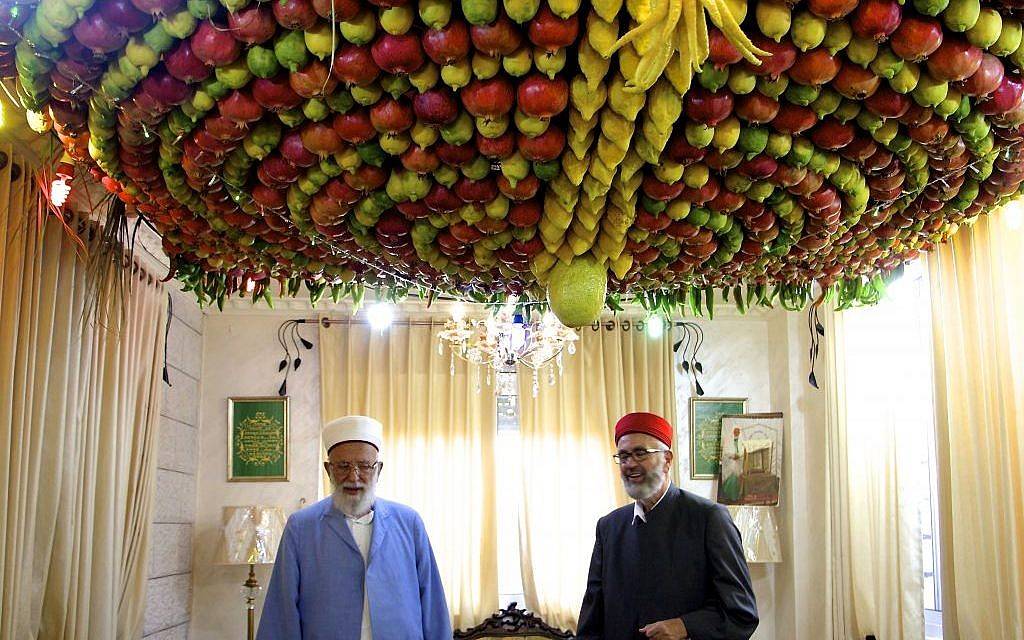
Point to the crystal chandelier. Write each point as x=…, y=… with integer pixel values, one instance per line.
x=501, y=342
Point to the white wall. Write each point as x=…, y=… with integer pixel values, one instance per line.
x=240, y=358
x=169, y=587
x=761, y=356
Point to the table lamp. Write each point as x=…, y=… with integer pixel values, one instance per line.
x=251, y=536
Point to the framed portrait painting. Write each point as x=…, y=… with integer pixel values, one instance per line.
x=751, y=470
x=706, y=433
x=257, y=439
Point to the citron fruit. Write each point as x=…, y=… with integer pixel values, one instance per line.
x=576, y=291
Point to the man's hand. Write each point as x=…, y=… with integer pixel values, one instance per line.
x=673, y=629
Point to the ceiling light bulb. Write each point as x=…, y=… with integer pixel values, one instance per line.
x=59, y=191
x=380, y=316
x=458, y=312
x=655, y=327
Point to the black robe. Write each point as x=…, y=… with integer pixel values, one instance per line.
x=685, y=562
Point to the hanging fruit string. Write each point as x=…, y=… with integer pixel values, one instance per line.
x=678, y=28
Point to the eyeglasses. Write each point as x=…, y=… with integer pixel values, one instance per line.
x=342, y=469
x=636, y=454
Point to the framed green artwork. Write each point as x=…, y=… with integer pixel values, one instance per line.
x=706, y=433
x=257, y=439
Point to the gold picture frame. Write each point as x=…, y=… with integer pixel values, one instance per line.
x=258, y=439
x=706, y=433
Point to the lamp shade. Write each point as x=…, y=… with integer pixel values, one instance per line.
x=251, y=534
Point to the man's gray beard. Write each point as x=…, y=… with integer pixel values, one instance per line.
x=648, y=488
x=353, y=506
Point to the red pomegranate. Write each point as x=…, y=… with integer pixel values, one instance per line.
x=815, y=67
x=876, y=19
x=955, y=59
x=916, y=38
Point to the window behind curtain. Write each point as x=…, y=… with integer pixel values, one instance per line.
x=904, y=316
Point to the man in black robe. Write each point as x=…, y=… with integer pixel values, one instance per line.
x=669, y=566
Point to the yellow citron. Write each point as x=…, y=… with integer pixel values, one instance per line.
x=670, y=27
x=576, y=290
x=727, y=134
x=696, y=175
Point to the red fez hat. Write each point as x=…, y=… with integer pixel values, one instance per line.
x=649, y=423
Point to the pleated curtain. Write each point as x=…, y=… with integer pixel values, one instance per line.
x=438, y=453
x=877, y=464
x=978, y=339
x=79, y=407
x=567, y=436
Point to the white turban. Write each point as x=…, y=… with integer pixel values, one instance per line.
x=353, y=428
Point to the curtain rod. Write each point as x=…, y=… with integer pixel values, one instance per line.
x=609, y=325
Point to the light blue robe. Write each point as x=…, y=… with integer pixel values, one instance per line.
x=316, y=591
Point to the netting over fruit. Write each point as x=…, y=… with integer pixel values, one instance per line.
x=478, y=147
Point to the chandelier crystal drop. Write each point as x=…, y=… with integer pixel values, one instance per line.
x=503, y=341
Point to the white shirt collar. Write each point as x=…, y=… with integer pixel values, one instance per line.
x=638, y=508
x=364, y=520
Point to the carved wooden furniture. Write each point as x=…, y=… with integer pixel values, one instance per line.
x=513, y=622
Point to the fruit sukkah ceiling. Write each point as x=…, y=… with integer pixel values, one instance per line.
x=666, y=149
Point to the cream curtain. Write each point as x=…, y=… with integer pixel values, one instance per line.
x=978, y=323
x=878, y=467
x=569, y=478
x=78, y=411
x=438, y=444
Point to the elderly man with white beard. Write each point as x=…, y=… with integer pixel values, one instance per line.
x=670, y=565
x=353, y=566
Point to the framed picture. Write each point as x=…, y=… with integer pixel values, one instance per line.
x=706, y=433
x=751, y=472
x=257, y=439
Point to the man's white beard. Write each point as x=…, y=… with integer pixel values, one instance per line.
x=648, y=488
x=354, y=506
